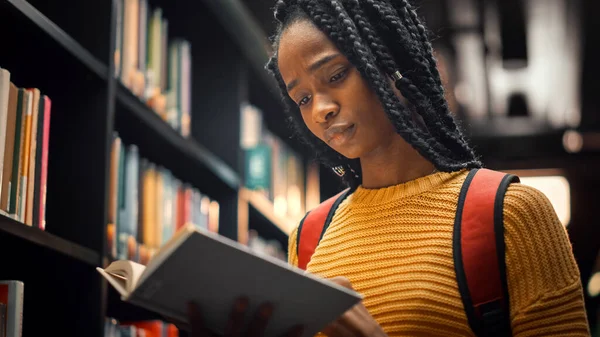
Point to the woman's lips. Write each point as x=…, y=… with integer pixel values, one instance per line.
x=339, y=134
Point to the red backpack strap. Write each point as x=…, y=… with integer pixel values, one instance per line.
x=479, y=252
x=314, y=225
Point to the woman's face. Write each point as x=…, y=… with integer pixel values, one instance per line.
x=336, y=103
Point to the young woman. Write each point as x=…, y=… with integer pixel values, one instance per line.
x=363, y=90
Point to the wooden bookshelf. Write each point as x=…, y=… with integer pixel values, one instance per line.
x=264, y=206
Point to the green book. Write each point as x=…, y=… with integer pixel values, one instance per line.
x=22, y=103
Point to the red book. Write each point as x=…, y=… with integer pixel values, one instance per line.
x=44, y=165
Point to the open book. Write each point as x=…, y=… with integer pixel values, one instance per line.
x=200, y=266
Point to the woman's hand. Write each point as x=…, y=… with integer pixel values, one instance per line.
x=234, y=327
x=356, y=322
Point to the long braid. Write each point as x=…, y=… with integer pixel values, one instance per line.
x=410, y=13
x=417, y=136
x=446, y=128
x=405, y=7
x=384, y=57
x=447, y=118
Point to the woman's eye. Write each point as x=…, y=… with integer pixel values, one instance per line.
x=338, y=76
x=303, y=101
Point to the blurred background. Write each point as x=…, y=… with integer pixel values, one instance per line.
x=131, y=118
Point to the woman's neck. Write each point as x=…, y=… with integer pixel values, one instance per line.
x=394, y=164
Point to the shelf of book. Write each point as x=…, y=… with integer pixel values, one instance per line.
x=11, y=229
x=265, y=207
x=66, y=41
x=138, y=124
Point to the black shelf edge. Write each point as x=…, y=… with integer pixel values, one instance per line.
x=243, y=28
x=189, y=147
x=61, y=37
x=12, y=227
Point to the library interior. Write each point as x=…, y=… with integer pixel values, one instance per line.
x=126, y=122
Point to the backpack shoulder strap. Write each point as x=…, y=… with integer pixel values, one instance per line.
x=479, y=252
x=314, y=225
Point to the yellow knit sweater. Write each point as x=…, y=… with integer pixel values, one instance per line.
x=395, y=245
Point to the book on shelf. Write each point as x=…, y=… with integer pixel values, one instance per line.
x=11, y=308
x=155, y=69
x=212, y=271
x=272, y=167
x=152, y=328
x=24, y=142
x=147, y=204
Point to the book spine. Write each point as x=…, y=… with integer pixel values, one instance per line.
x=9, y=146
x=46, y=145
x=4, y=97
x=24, y=165
x=33, y=145
x=12, y=294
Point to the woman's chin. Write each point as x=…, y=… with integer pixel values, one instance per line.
x=349, y=153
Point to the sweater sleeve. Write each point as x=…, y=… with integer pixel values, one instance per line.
x=545, y=291
x=292, y=256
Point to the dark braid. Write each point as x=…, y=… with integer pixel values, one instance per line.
x=405, y=7
x=402, y=118
x=379, y=38
x=434, y=93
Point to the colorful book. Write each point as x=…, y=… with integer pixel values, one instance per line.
x=9, y=146
x=41, y=173
x=4, y=98
x=12, y=294
x=37, y=109
x=20, y=127
x=24, y=156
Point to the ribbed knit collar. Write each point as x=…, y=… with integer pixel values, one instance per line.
x=364, y=195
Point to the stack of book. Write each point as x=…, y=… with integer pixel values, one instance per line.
x=156, y=70
x=24, y=139
x=147, y=204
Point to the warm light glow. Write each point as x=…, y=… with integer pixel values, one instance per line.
x=593, y=287
x=557, y=189
x=280, y=206
x=294, y=201
x=213, y=217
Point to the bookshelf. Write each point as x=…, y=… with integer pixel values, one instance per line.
x=19, y=236
x=67, y=51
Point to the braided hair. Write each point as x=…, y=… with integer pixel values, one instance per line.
x=381, y=37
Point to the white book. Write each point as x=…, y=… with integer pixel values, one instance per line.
x=4, y=90
x=212, y=271
x=13, y=291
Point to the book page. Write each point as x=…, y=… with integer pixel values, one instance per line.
x=127, y=271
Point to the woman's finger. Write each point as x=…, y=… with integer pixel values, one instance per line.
x=259, y=322
x=236, y=318
x=343, y=281
x=338, y=329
